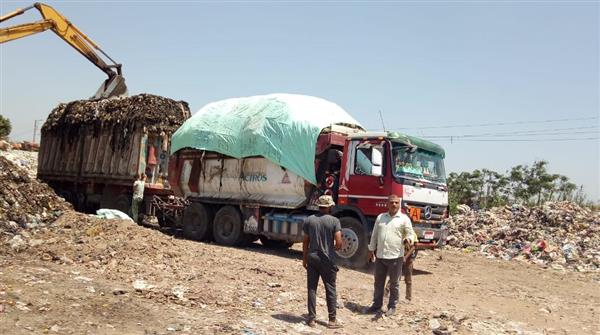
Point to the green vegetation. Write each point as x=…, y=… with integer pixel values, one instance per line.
x=5, y=127
x=528, y=185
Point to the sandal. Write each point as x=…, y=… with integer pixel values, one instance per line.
x=334, y=325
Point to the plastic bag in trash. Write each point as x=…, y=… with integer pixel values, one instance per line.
x=110, y=214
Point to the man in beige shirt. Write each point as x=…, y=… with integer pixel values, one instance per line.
x=138, y=196
x=392, y=230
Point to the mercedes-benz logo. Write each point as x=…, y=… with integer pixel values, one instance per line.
x=427, y=213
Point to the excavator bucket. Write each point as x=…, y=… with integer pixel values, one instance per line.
x=111, y=88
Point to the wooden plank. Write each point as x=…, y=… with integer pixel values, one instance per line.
x=93, y=154
x=105, y=167
x=99, y=148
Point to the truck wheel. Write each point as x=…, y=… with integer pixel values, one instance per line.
x=197, y=221
x=228, y=228
x=354, y=248
x=274, y=244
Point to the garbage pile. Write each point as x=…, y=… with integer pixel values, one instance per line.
x=123, y=116
x=27, y=160
x=25, y=203
x=557, y=234
x=25, y=146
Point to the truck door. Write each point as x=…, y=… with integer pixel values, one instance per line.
x=365, y=182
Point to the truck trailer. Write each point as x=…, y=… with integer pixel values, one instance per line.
x=252, y=168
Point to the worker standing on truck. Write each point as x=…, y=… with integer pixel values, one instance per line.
x=391, y=231
x=138, y=195
x=320, y=232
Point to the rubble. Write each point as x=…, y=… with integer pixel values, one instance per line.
x=25, y=200
x=24, y=146
x=122, y=115
x=556, y=234
x=26, y=160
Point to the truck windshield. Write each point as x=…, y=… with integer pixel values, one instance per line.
x=419, y=164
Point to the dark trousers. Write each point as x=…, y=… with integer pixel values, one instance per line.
x=407, y=269
x=318, y=268
x=391, y=268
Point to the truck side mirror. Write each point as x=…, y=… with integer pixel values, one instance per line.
x=377, y=161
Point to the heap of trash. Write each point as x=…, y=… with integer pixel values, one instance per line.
x=25, y=202
x=123, y=116
x=23, y=146
x=26, y=160
x=557, y=234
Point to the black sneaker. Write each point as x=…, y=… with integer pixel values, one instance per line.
x=373, y=310
x=391, y=311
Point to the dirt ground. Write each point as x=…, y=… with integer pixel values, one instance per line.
x=84, y=275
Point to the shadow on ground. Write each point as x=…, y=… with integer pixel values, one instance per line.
x=288, y=317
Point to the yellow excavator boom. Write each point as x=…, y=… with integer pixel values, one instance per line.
x=53, y=20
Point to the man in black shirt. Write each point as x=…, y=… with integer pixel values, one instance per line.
x=320, y=231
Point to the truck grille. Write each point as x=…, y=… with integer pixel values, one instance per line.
x=424, y=213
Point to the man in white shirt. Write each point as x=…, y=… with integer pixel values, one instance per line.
x=138, y=196
x=392, y=230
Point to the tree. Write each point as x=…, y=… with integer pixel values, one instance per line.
x=540, y=180
x=565, y=189
x=529, y=185
x=495, y=185
x=580, y=197
x=5, y=127
x=461, y=189
x=517, y=184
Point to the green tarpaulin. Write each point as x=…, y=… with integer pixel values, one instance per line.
x=280, y=127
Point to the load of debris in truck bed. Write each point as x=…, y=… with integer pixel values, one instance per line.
x=123, y=115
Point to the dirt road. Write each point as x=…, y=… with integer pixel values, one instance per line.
x=84, y=275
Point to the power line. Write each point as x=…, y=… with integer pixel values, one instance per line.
x=501, y=123
x=523, y=140
x=512, y=135
x=555, y=131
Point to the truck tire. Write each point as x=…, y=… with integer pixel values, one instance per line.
x=274, y=244
x=197, y=221
x=228, y=227
x=354, y=248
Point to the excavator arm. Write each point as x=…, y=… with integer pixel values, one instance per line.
x=53, y=20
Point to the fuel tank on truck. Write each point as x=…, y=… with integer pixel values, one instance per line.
x=254, y=180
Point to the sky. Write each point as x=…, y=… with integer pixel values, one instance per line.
x=522, y=76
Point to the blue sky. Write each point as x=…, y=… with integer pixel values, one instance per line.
x=522, y=65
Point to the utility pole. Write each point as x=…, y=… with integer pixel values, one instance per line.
x=35, y=129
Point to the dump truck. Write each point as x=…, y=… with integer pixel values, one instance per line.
x=252, y=168
x=92, y=151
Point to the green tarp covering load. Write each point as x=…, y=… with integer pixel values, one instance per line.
x=280, y=127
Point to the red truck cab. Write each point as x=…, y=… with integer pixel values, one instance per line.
x=376, y=165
